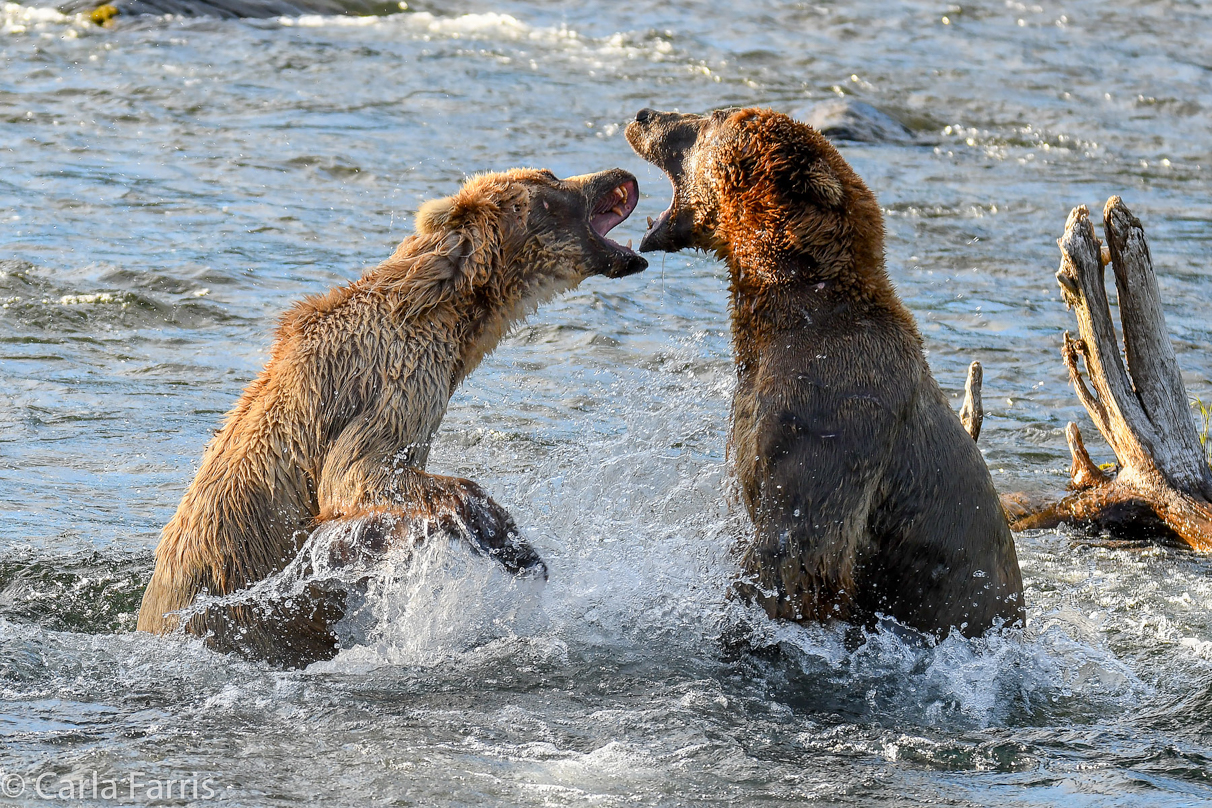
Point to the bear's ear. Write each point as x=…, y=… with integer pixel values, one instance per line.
x=818, y=181
x=435, y=215
x=800, y=157
x=807, y=175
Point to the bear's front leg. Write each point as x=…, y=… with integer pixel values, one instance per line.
x=487, y=527
x=406, y=506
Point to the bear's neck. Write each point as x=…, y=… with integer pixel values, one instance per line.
x=463, y=325
x=481, y=328
x=778, y=292
x=758, y=270
x=487, y=317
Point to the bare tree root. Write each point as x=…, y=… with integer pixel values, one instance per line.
x=1162, y=485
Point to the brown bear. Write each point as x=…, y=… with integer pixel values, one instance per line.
x=334, y=432
x=866, y=494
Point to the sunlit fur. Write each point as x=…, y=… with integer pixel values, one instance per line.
x=866, y=493
x=340, y=420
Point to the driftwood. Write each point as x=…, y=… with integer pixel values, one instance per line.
x=972, y=413
x=1162, y=486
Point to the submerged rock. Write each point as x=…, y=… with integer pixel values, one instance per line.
x=847, y=119
x=105, y=12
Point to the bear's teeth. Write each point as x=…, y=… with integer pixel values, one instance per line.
x=629, y=244
x=649, y=222
x=617, y=210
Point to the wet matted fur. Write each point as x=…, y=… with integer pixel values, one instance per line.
x=337, y=427
x=866, y=494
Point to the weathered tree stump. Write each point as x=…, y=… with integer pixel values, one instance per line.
x=1162, y=486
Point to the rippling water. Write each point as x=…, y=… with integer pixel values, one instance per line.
x=170, y=186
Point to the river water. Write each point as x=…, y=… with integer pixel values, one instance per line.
x=169, y=186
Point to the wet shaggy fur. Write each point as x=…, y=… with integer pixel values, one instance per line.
x=337, y=427
x=866, y=494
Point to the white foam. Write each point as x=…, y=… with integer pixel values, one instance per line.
x=93, y=299
x=20, y=19
x=324, y=21
x=552, y=771
x=487, y=24
x=439, y=602
x=494, y=26
x=423, y=22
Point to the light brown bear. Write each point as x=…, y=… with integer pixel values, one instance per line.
x=335, y=431
x=866, y=494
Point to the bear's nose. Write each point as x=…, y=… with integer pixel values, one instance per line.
x=644, y=115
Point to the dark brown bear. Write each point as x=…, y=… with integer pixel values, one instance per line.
x=866, y=494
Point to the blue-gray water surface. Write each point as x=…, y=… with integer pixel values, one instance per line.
x=169, y=186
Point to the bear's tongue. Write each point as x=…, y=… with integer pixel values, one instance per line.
x=614, y=208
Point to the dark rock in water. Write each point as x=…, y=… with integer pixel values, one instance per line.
x=104, y=11
x=846, y=119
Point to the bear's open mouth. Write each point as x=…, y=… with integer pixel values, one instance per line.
x=661, y=220
x=613, y=209
x=669, y=231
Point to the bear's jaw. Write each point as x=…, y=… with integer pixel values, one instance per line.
x=610, y=197
x=614, y=208
x=670, y=141
x=673, y=230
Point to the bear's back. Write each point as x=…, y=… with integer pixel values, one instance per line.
x=943, y=555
